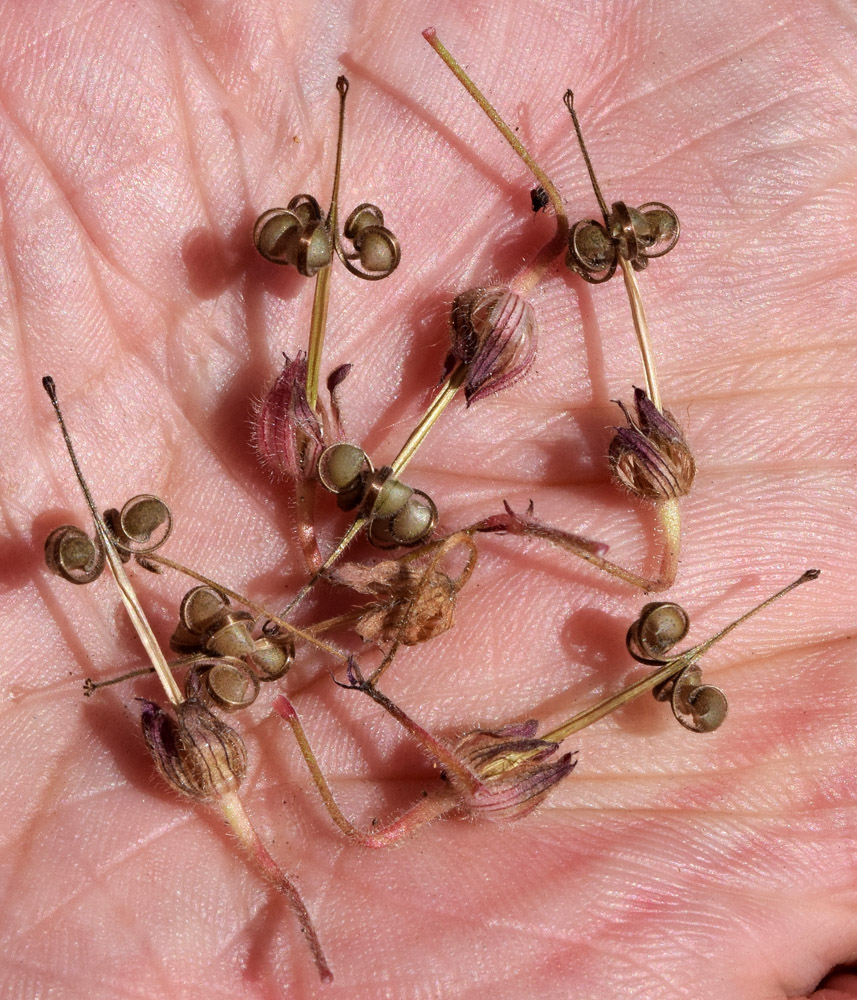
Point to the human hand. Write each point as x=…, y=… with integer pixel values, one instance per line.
x=139, y=145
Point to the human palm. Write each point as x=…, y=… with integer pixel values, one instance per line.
x=139, y=144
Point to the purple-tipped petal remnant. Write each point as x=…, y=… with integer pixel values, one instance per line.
x=494, y=333
x=651, y=457
x=511, y=785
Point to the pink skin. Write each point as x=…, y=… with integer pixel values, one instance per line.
x=138, y=144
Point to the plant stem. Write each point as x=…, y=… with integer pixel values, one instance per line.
x=641, y=326
x=317, y=327
x=440, y=751
x=454, y=381
x=321, y=297
x=531, y=276
x=237, y=818
x=422, y=812
x=668, y=514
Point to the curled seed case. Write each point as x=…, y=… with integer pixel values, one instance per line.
x=699, y=707
x=223, y=682
x=376, y=247
x=143, y=524
x=363, y=217
x=273, y=656
x=200, y=608
x=306, y=208
x=343, y=469
x=411, y=525
x=391, y=497
x=229, y=635
x=635, y=234
x=73, y=555
x=295, y=235
x=398, y=514
x=660, y=626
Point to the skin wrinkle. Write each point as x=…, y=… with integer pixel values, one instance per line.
x=32, y=383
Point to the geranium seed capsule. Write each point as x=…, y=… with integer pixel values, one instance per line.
x=73, y=555
x=228, y=683
x=660, y=626
x=229, y=634
x=273, y=656
x=200, y=607
x=342, y=468
x=392, y=497
x=144, y=523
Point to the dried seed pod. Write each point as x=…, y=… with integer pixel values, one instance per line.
x=200, y=608
x=514, y=770
x=344, y=469
x=660, y=626
x=229, y=635
x=195, y=753
x=651, y=456
x=142, y=526
x=634, y=234
x=699, y=707
x=273, y=656
x=295, y=235
x=73, y=555
x=637, y=234
x=376, y=247
x=412, y=524
x=223, y=682
x=493, y=332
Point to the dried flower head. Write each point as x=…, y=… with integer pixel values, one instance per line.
x=410, y=610
x=513, y=769
x=196, y=753
x=288, y=433
x=494, y=334
x=651, y=457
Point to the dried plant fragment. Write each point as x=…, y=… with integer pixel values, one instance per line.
x=651, y=457
x=525, y=524
x=394, y=617
x=417, y=601
x=196, y=754
x=494, y=334
x=514, y=769
x=287, y=432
